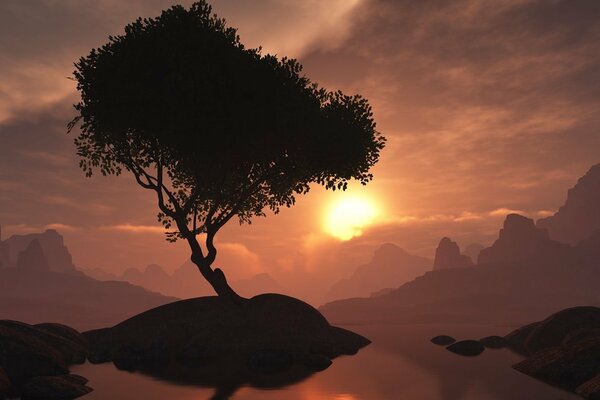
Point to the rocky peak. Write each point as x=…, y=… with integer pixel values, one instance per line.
x=33, y=258
x=520, y=241
x=447, y=255
x=58, y=257
x=579, y=217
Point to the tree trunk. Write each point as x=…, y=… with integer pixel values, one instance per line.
x=217, y=280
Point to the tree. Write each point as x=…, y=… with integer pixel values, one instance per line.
x=216, y=130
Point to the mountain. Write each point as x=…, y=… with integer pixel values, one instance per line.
x=52, y=244
x=523, y=276
x=186, y=281
x=34, y=296
x=33, y=258
x=447, y=255
x=520, y=242
x=579, y=217
x=390, y=266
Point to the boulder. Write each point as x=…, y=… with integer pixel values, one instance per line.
x=590, y=389
x=72, y=350
x=53, y=388
x=63, y=331
x=516, y=339
x=468, y=348
x=493, y=342
x=215, y=328
x=443, y=340
x=4, y=382
x=24, y=355
x=568, y=366
x=561, y=327
x=447, y=255
x=317, y=362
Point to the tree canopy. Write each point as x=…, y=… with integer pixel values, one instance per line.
x=216, y=129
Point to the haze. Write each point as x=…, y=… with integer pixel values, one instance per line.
x=488, y=107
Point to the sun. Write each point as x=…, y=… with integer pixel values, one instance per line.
x=347, y=217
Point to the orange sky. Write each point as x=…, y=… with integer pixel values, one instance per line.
x=487, y=107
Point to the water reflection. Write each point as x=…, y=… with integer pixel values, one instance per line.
x=227, y=378
x=399, y=364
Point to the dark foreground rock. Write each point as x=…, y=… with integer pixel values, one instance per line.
x=568, y=366
x=4, y=382
x=563, y=350
x=590, y=389
x=269, y=341
x=566, y=326
x=34, y=361
x=468, y=348
x=211, y=328
x=54, y=388
x=493, y=342
x=443, y=340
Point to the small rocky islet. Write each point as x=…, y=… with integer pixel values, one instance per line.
x=206, y=338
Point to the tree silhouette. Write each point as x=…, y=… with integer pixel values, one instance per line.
x=216, y=130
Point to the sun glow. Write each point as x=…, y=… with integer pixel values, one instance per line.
x=347, y=217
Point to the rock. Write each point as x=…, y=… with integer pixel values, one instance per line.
x=516, y=339
x=561, y=327
x=317, y=362
x=4, y=382
x=53, y=387
x=443, y=340
x=580, y=215
x=469, y=348
x=271, y=361
x=447, y=255
x=581, y=334
x=590, y=389
x=33, y=258
x=71, y=351
x=568, y=366
x=221, y=329
x=24, y=355
x=493, y=342
x=101, y=346
x=63, y=331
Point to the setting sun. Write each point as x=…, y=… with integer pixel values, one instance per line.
x=347, y=217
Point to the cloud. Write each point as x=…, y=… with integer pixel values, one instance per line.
x=131, y=228
x=503, y=212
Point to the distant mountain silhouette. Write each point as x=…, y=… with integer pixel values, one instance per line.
x=53, y=247
x=521, y=243
x=390, y=266
x=36, y=296
x=186, y=282
x=523, y=276
x=579, y=217
x=447, y=255
x=33, y=258
x=4, y=253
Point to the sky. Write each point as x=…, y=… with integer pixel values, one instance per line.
x=488, y=107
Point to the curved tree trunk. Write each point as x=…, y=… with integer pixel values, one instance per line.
x=217, y=280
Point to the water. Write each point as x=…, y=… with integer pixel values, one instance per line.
x=401, y=363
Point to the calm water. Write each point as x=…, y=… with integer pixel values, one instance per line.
x=401, y=363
